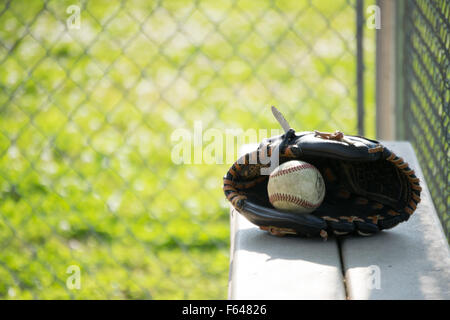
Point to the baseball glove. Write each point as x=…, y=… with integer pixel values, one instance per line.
x=368, y=187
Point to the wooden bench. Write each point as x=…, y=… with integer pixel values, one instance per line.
x=410, y=261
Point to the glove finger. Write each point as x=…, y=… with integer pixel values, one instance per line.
x=390, y=223
x=341, y=228
x=366, y=228
x=303, y=224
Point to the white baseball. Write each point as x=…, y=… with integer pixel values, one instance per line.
x=296, y=186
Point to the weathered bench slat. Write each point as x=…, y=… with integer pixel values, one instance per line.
x=267, y=267
x=410, y=261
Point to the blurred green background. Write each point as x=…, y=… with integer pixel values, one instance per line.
x=86, y=118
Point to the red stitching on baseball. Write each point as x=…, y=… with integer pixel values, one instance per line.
x=290, y=198
x=293, y=169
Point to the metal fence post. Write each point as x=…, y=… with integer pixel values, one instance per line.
x=360, y=65
x=399, y=76
x=385, y=72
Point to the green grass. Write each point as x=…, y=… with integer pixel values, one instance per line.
x=86, y=116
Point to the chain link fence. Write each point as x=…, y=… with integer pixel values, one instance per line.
x=426, y=95
x=92, y=205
